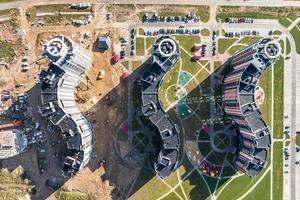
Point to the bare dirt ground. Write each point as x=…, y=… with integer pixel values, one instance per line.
x=11, y=70
x=103, y=101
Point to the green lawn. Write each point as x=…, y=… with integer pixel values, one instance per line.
x=277, y=170
x=4, y=1
x=249, y=40
x=278, y=98
x=140, y=46
x=62, y=194
x=298, y=139
x=277, y=32
x=288, y=46
x=265, y=82
x=217, y=64
x=234, y=189
x=212, y=182
x=171, y=13
x=55, y=19
x=189, y=65
x=148, y=183
x=257, y=12
x=203, y=13
x=9, y=12
x=262, y=190
x=224, y=44
x=205, y=32
x=296, y=35
x=136, y=64
x=235, y=49
x=136, y=95
x=284, y=22
x=55, y=7
x=280, y=13
x=170, y=79
x=171, y=196
x=195, y=188
x=188, y=41
x=203, y=62
x=282, y=46
x=141, y=31
x=174, y=10
x=6, y=51
x=14, y=184
x=149, y=43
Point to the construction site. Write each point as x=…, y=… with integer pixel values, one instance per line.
x=33, y=142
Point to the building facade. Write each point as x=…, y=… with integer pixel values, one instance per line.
x=239, y=103
x=68, y=63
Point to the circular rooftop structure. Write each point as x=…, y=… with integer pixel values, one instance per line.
x=272, y=49
x=56, y=47
x=167, y=47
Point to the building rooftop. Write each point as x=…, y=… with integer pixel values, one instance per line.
x=58, y=100
x=248, y=65
x=165, y=55
x=103, y=42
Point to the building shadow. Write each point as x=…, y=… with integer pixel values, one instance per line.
x=198, y=101
x=47, y=181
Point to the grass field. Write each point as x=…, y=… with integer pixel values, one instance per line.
x=277, y=32
x=197, y=186
x=140, y=46
x=234, y=49
x=278, y=98
x=135, y=64
x=4, y=1
x=205, y=32
x=62, y=194
x=174, y=10
x=150, y=41
x=234, y=190
x=13, y=184
x=56, y=19
x=150, y=188
x=54, y=8
x=258, y=12
x=265, y=82
x=298, y=140
x=224, y=44
x=284, y=21
x=296, y=35
x=262, y=190
x=277, y=170
x=189, y=65
x=6, y=51
x=188, y=41
x=203, y=13
x=217, y=64
x=288, y=46
x=9, y=12
x=248, y=40
x=170, y=79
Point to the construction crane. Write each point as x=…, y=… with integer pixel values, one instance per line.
x=13, y=124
